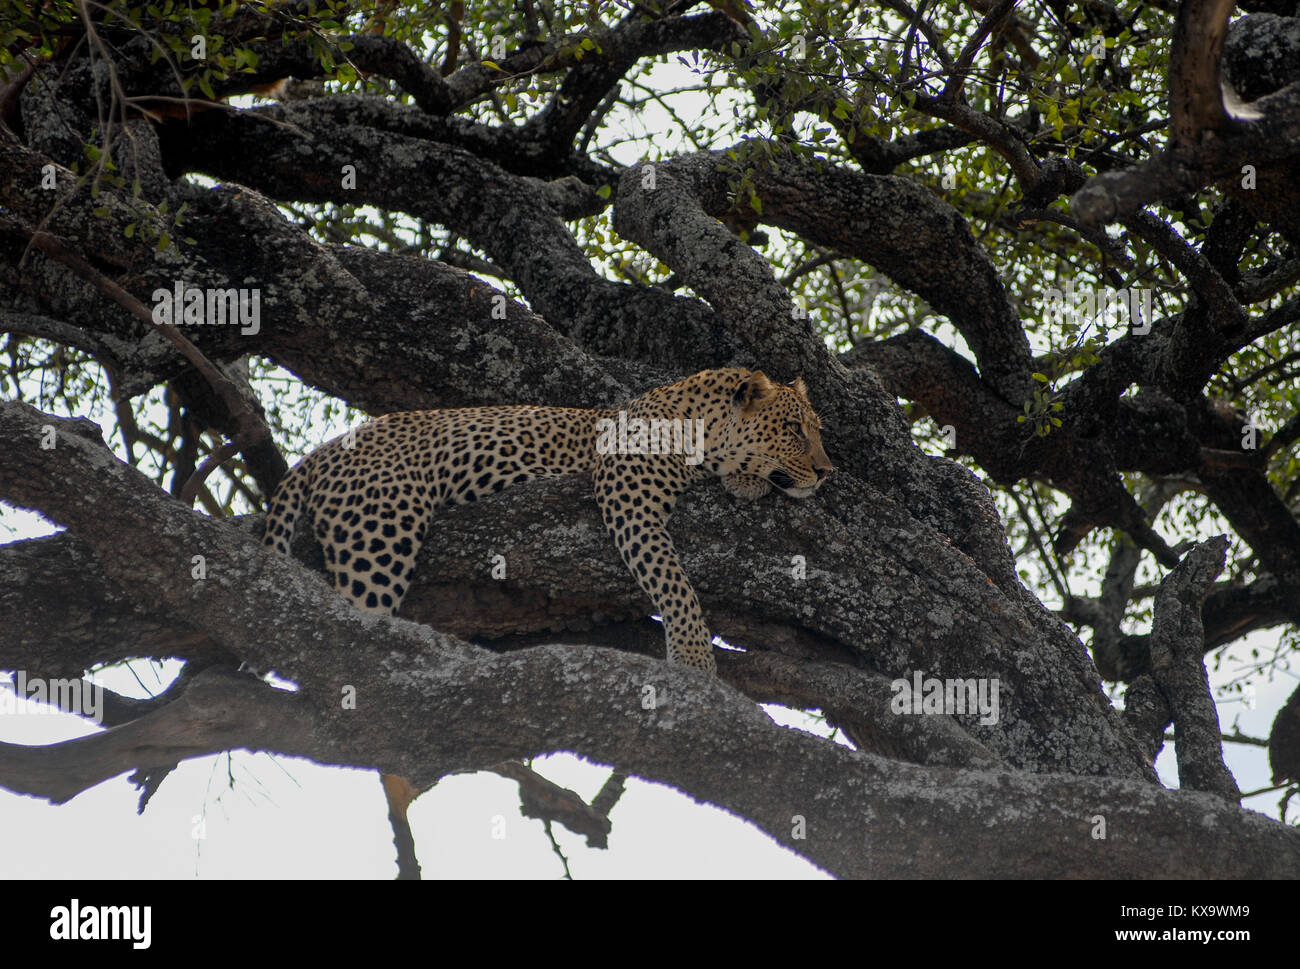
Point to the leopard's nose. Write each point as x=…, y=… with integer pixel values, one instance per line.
x=823, y=472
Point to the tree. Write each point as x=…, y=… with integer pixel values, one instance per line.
x=1045, y=229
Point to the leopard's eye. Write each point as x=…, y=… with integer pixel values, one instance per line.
x=796, y=427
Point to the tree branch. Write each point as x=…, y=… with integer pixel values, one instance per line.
x=1177, y=642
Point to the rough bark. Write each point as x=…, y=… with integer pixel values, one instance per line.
x=1179, y=671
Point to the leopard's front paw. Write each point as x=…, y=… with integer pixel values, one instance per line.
x=751, y=487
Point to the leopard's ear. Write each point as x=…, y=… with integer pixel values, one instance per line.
x=800, y=387
x=754, y=392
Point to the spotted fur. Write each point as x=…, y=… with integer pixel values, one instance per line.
x=371, y=493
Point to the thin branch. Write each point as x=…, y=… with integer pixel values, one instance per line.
x=952, y=90
x=251, y=431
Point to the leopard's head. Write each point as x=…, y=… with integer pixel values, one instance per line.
x=773, y=439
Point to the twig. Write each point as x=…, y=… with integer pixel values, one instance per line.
x=250, y=430
x=210, y=464
x=952, y=90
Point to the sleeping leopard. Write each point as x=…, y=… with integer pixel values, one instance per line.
x=371, y=493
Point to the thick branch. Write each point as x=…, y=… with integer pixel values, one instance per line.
x=1177, y=642
x=219, y=710
x=1195, y=98
x=900, y=816
x=889, y=222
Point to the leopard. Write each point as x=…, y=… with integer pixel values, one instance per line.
x=370, y=494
